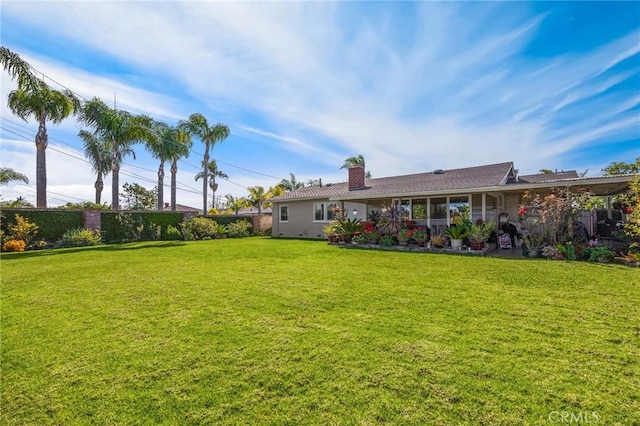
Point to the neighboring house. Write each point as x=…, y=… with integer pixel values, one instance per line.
x=251, y=211
x=181, y=208
x=429, y=199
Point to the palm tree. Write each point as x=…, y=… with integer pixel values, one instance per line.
x=98, y=151
x=34, y=98
x=161, y=147
x=353, y=161
x=122, y=128
x=179, y=149
x=291, y=184
x=7, y=175
x=16, y=67
x=236, y=204
x=257, y=196
x=213, y=173
x=199, y=127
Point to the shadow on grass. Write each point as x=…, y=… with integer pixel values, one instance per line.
x=106, y=247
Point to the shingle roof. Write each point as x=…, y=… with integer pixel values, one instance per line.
x=545, y=177
x=455, y=179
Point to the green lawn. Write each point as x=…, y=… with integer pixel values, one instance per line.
x=261, y=331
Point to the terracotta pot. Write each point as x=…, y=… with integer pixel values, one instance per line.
x=476, y=245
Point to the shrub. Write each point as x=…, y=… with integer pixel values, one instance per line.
x=238, y=229
x=23, y=229
x=200, y=228
x=80, y=238
x=14, y=245
x=220, y=230
x=600, y=253
x=172, y=234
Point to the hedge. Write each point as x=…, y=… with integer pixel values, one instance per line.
x=52, y=224
x=113, y=231
x=225, y=220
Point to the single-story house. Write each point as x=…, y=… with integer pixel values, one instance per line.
x=491, y=192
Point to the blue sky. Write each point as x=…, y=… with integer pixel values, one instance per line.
x=411, y=86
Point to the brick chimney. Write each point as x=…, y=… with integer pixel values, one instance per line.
x=356, y=177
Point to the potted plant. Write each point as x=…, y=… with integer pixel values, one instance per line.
x=330, y=232
x=359, y=238
x=479, y=234
x=372, y=236
x=347, y=228
x=421, y=237
x=437, y=241
x=456, y=233
x=372, y=219
x=386, y=240
x=403, y=236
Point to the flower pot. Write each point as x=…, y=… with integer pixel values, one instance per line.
x=476, y=245
x=456, y=244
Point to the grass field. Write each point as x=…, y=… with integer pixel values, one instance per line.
x=261, y=331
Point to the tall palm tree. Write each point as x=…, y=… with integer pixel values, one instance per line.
x=7, y=175
x=257, y=196
x=236, y=204
x=122, y=128
x=213, y=173
x=199, y=127
x=44, y=104
x=179, y=149
x=161, y=146
x=291, y=184
x=98, y=151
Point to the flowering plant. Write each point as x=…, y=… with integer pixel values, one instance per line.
x=420, y=235
x=405, y=234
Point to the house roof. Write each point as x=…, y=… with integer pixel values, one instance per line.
x=180, y=208
x=491, y=175
x=545, y=177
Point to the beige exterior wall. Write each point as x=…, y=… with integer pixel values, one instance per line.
x=301, y=223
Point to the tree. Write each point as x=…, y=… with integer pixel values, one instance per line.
x=354, y=161
x=213, y=173
x=180, y=149
x=18, y=203
x=257, y=196
x=236, y=204
x=274, y=191
x=122, y=128
x=16, y=67
x=621, y=168
x=34, y=98
x=199, y=127
x=7, y=175
x=161, y=146
x=137, y=197
x=98, y=151
x=290, y=184
x=545, y=171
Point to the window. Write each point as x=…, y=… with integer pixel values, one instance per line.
x=419, y=209
x=284, y=214
x=459, y=208
x=324, y=212
x=439, y=208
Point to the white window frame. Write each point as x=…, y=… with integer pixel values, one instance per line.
x=326, y=206
x=280, y=213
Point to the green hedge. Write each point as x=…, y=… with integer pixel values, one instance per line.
x=52, y=224
x=113, y=231
x=227, y=219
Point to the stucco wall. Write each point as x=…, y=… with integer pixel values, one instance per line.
x=301, y=222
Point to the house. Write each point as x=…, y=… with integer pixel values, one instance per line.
x=491, y=192
x=181, y=208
